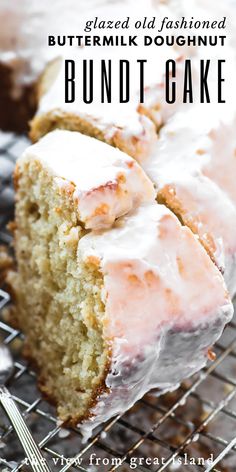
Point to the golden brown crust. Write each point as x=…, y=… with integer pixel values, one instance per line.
x=167, y=196
x=16, y=177
x=57, y=119
x=150, y=113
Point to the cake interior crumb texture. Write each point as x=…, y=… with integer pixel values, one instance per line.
x=58, y=297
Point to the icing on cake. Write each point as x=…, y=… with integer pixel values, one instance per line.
x=106, y=182
x=153, y=265
x=193, y=168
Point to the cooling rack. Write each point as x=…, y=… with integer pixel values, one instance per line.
x=191, y=429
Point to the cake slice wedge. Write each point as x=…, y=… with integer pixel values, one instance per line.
x=193, y=171
x=108, y=313
x=120, y=125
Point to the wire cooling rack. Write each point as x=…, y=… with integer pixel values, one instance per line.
x=191, y=429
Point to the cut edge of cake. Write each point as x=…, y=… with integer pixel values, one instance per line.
x=66, y=306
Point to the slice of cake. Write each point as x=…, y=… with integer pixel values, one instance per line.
x=193, y=169
x=108, y=313
x=158, y=288
x=129, y=126
x=119, y=124
x=118, y=92
x=101, y=182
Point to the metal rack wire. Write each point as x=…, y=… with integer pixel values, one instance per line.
x=188, y=425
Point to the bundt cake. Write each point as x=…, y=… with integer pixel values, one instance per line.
x=108, y=313
x=113, y=290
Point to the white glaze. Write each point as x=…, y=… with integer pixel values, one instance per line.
x=25, y=50
x=25, y=26
x=195, y=156
x=157, y=325
x=125, y=121
x=107, y=182
x=112, y=119
x=158, y=353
